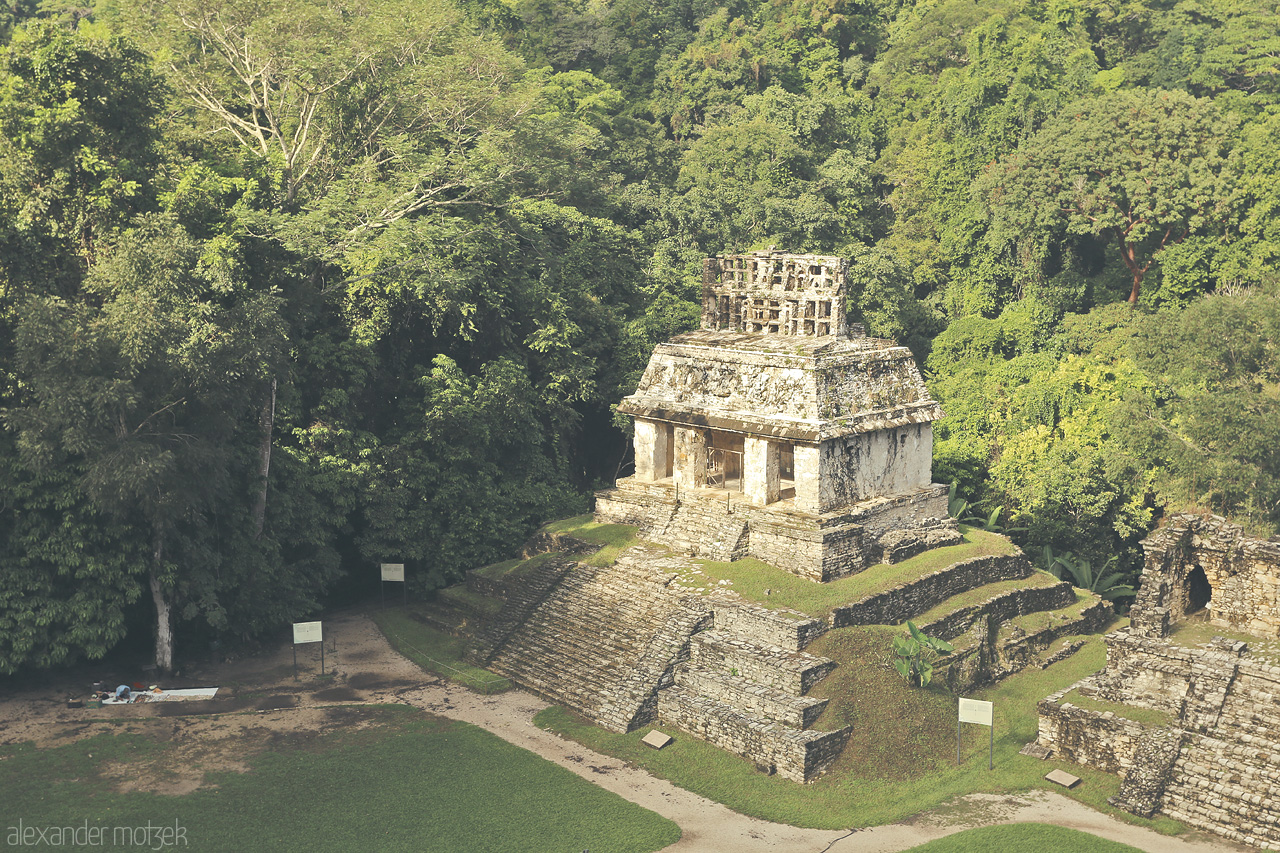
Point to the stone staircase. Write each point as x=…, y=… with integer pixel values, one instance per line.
x=599, y=640
x=1145, y=782
x=1227, y=780
x=743, y=687
x=707, y=528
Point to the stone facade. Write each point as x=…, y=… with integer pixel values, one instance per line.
x=777, y=405
x=1216, y=765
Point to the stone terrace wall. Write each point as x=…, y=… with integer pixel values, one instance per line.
x=788, y=629
x=1094, y=738
x=908, y=600
x=791, y=753
x=1007, y=605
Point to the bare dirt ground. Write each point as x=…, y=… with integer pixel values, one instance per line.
x=259, y=704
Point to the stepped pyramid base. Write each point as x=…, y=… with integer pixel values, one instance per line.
x=601, y=641
x=1216, y=766
x=723, y=525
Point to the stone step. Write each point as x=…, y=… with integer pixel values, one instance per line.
x=1227, y=788
x=774, y=748
x=559, y=642
x=787, y=629
x=909, y=600
x=1000, y=606
x=704, y=529
x=752, y=698
x=795, y=672
x=1256, y=731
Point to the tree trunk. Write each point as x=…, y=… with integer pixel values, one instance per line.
x=1137, y=287
x=164, y=624
x=1130, y=257
x=266, y=425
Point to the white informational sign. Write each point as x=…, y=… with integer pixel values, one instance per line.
x=975, y=711
x=307, y=632
x=393, y=572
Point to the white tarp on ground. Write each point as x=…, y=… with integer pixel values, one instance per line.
x=166, y=696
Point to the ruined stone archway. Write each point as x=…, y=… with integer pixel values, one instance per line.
x=1199, y=592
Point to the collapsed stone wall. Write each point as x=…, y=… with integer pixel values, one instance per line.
x=1216, y=766
x=1242, y=573
x=1189, y=683
x=1094, y=738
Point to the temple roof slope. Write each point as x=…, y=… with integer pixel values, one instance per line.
x=808, y=389
x=775, y=357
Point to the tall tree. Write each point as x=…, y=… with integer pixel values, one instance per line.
x=147, y=390
x=1140, y=168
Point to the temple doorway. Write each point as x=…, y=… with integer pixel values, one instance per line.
x=724, y=460
x=1199, y=592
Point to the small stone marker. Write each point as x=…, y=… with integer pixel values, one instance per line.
x=656, y=739
x=1063, y=778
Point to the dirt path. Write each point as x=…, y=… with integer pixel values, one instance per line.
x=368, y=670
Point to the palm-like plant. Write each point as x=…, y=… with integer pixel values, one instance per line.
x=1105, y=581
x=914, y=655
x=961, y=510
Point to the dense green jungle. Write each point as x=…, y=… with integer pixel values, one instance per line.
x=290, y=289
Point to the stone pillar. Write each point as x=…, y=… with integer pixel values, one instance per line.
x=652, y=450
x=760, y=479
x=691, y=458
x=807, y=457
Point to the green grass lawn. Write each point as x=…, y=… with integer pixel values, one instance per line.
x=410, y=781
x=1023, y=838
x=1031, y=623
x=615, y=538
x=435, y=651
x=1195, y=634
x=1146, y=716
x=901, y=757
x=750, y=577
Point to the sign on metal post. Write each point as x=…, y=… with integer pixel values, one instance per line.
x=393, y=573
x=307, y=632
x=978, y=712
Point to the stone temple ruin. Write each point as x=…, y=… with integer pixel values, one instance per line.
x=1207, y=748
x=775, y=431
